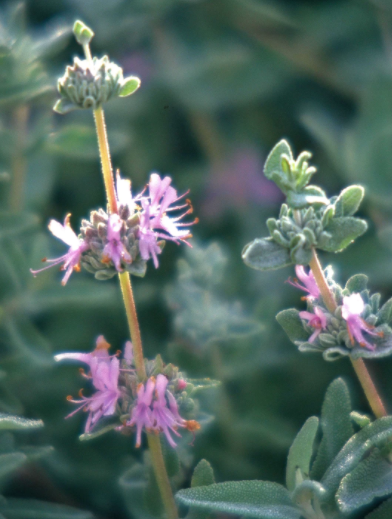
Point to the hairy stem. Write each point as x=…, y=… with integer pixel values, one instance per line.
x=104, y=152
x=359, y=366
x=158, y=463
x=133, y=323
x=130, y=310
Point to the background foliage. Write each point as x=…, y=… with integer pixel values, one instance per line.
x=222, y=82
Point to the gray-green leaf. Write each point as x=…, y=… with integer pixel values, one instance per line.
x=203, y=475
x=342, y=231
x=265, y=254
x=301, y=451
x=33, y=509
x=14, y=423
x=336, y=426
x=291, y=323
x=349, y=201
x=259, y=499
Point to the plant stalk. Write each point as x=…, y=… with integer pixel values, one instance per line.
x=154, y=444
x=130, y=310
x=359, y=366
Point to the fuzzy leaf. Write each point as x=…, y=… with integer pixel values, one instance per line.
x=274, y=161
x=33, y=509
x=301, y=451
x=310, y=195
x=357, y=283
x=130, y=85
x=336, y=426
x=291, y=323
x=98, y=432
x=372, y=435
x=349, y=201
x=203, y=475
x=14, y=423
x=63, y=106
x=259, y=499
x=265, y=254
x=83, y=34
x=372, y=478
x=385, y=313
x=342, y=231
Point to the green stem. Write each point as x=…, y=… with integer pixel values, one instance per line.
x=154, y=444
x=359, y=366
x=130, y=310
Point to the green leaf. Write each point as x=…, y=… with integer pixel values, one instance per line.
x=10, y=462
x=99, y=432
x=274, y=160
x=385, y=313
x=291, y=323
x=200, y=384
x=265, y=254
x=203, y=475
x=349, y=201
x=342, y=231
x=83, y=34
x=310, y=195
x=372, y=435
x=15, y=423
x=301, y=451
x=384, y=511
x=336, y=426
x=372, y=478
x=133, y=484
x=259, y=499
x=63, y=106
x=130, y=85
x=33, y=509
x=357, y=283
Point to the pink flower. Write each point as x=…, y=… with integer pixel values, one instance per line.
x=165, y=418
x=71, y=260
x=154, y=218
x=115, y=250
x=309, y=283
x=105, y=371
x=142, y=412
x=318, y=320
x=353, y=306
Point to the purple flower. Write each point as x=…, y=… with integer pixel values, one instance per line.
x=71, y=260
x=352, y=308
x=148, y=245
x=115, y=250
x=105, y=370
x=166, y=418
x=142, y=412
x=309, y=283
x=318, y=320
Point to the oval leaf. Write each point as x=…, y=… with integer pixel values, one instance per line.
x=342, y=231
x=14, y=423
x=130, y=85
x=259, y=499
x=265, y=254
x=349, y=201
x=301, y=451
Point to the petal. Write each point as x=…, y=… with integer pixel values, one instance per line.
x=63, y=232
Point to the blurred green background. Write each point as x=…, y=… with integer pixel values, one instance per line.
x=222, y=82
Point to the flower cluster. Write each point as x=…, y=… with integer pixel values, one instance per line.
x=108, y=244
x=152, y=407
x=358, y=327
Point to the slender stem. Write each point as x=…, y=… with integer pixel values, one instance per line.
x=104, y=152
x=154, y=444
x=359, y=366
x=18, y=159
x=130, y=310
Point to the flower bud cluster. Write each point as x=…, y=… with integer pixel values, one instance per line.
x=358, y=327
x=159, y=404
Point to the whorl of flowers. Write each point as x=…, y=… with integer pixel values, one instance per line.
x=151, y=407
x=108, y=244
x=358, y=327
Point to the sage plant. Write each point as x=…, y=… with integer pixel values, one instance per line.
x=130, y=394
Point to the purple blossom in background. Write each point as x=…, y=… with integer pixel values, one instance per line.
x=71, y=260
x=309, y=284
x=317, y=320
x=353, y=306
x=236, y=182
x=105, y=371
x=115, y=250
